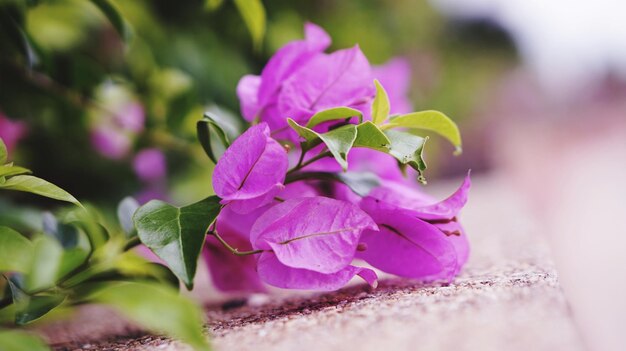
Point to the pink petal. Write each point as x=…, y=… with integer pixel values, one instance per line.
x=248, y=94
x=314, y=233
x=273, y=272
x=150, y=165
x=110, y=142
x=131, y=117
x=450, y=207
x=230, y=272
x=11, y=131
x=407, y=246
x=251, y=167
x=290, y=58
x=342, y=78
x=395, y=76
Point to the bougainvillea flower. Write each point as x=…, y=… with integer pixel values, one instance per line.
x=313, y=233
x=231, y=272
x=406, y=245
x=130, y=117
x=275, y=273
x=422, y=205
x=110, y=142
x=395, y=76
x=11, y=131
x=301, y=80
x=150, y=165
x=257, y=93
x=415, y=228
x=252, y=169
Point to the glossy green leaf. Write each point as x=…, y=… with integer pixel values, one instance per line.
x=159, y=309
x=87, y=220
x=361, y=183
x=115, y=17
x=3, y=152
x=46, y=263
x=334, y=114
x=380, y=106
x=9, y=170
x=20, y=340
x=38, y=186
x=408, y=149
x=212, y=137
x=30, y=308
x=16, y=251
x=125, y=211
x=339, y=141
x=253, y=14
x=370, y=136
x=434, y=121
x=176, y=234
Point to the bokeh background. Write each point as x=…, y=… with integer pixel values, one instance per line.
x=538, y=89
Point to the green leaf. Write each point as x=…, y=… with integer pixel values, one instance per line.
x=125, y=211
x=30, y=308
x=114, y=16
x=9, y=170
x=4, y=154
x=339, y=141
x=176, y=234
x=19, y=340
x=212, y=137
x=38, y=186
x=253, y=14
x=46, y=263
x=334, y=114
x=361, y=183
x=87, y=220
x=159, y=309
x=370, y=136
x=16, y=251
x=434, y=121
x=380, y=106
x=408, y=148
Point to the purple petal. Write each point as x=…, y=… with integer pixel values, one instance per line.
x=229, y=272
x=248, y=94
x=150, y=165
x=251, y=167
x=290, y=58
x=249, y=205
x=11, y=131
x=407, y=246
x=450, y=207
x=110, y=142
x=342, y=78
x=422, y=205
x=395, y=76
x=314, y=233
x=131, y=117
x=273, y=272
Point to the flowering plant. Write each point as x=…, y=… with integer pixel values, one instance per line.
x=315, y=185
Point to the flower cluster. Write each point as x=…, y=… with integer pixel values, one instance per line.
x=291, y=216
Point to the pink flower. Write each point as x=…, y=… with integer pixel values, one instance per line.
x=251, y=171
x=309, y=243
x=110, y=142
x=300, y=79
x=150, y=165
x=11, y=131
x=417, y=238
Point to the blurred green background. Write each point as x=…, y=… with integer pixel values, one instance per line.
x=65, y=71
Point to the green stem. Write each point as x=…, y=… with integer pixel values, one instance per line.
x=232, y=249
x=132, y=242
x=301, y=165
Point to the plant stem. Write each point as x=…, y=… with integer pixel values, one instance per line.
x=232, y=249
x=310, y=175
x=132, y=242
x=301, y=165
